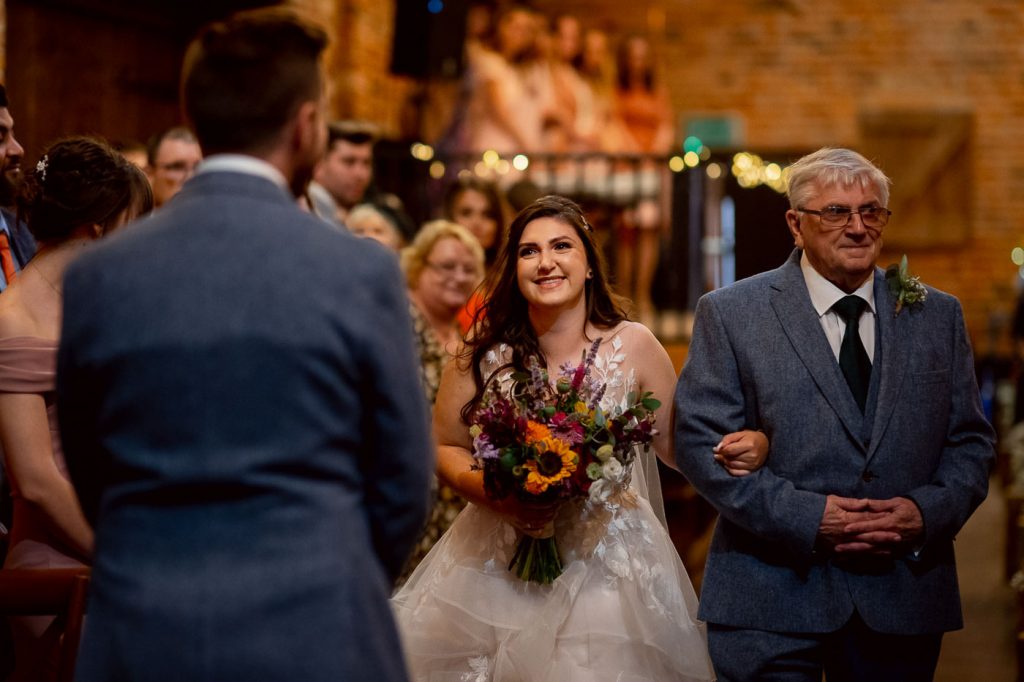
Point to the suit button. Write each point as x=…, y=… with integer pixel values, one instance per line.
x=868, y=476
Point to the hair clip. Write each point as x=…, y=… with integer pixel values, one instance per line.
x=41, y=168
x=586, y=223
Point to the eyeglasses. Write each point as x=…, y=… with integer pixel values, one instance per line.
x=452, y=269
x=873, y=217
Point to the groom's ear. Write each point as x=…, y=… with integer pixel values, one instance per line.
x=793, y=221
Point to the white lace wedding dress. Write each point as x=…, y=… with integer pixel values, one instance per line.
x=623, y=610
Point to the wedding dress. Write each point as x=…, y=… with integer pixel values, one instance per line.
x=623, y=610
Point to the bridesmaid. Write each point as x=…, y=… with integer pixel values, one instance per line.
x=80, y=191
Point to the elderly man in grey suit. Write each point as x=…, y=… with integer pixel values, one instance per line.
x=837, y=555
x=239, y=401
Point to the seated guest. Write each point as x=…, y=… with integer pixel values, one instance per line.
x=134, y=151
x=346, y=170
x=442, y=265
x=476, y=205
x=80, y=190
x=365, y=220
x=16, y=243
x=172, y=159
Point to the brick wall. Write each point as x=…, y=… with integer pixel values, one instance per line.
x=798, y=73
x=358, y=60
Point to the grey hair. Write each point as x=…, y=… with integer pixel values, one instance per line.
x=829, y=167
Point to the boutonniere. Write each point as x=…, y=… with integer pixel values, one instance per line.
x=907, y=288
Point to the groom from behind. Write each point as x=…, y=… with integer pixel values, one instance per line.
x=837, y=555
x=239, y=404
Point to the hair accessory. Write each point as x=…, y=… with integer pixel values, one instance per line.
x=41, y=168
x=586, y=223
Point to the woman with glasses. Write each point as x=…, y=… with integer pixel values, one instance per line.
x=442, y=265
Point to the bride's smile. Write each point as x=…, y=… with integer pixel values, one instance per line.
x=551, y=264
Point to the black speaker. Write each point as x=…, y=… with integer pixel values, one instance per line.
x=429, y=38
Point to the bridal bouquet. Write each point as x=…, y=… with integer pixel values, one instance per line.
x=544, y=442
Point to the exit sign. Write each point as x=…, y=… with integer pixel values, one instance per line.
x=715, y=131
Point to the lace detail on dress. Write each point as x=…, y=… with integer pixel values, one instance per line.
x=623, y=609
x=479, y=670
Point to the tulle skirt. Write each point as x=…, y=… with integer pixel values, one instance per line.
x=623, y=610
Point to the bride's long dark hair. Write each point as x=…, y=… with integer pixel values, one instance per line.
x=504, y=317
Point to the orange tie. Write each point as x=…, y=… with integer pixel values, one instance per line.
x=7, y=258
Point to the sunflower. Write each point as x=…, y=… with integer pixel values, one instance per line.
x=536, y=432
x=554, y=462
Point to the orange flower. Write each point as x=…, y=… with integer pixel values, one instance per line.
x=554, y=462
x=536, y=432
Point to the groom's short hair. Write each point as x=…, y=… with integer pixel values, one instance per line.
x=243, y=78
x=828, y=167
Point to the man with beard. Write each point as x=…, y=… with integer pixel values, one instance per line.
x=16, y=243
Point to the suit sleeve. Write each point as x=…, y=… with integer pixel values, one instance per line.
x=77, y=401
x=398, y=459
x=960, y=482
x=710, y=402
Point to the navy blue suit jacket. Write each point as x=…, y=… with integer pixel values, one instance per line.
x=759, y=359
x=238, y=399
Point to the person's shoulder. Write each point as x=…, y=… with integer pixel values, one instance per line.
x=632, y=336
x=745, y=289
x=15, y=320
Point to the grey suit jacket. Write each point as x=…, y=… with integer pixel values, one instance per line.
x=239, y=402
x=759, y=359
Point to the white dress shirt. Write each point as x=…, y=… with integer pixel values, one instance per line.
x=241, y=163
x=825, y=294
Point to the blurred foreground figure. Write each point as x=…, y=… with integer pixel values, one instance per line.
x=250, y=442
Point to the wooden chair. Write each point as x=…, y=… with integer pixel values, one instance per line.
x=57, y=592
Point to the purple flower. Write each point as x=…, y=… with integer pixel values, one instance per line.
x=483, y=448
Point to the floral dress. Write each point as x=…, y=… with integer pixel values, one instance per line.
x=447, y=502
x=623, y=609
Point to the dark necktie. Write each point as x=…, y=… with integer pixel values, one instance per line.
x=853, y=359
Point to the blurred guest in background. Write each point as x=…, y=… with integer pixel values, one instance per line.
x=365, y=220
x=134, y=151
x=642, y=108
x=572, y=90
x=347, y=168
x=172, y=159
x=443, y=265
x=16, y=243
x=501, y=113
x=477, y=205
x=80, y=191
x=598, y=70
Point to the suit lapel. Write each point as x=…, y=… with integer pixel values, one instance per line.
x=893, y=334
x=792, y=305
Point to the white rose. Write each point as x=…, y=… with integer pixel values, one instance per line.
x=600, y=490
x=612, y=470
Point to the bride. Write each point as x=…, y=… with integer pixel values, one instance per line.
x=623, y=609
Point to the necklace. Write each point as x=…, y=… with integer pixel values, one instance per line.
x=61, y=254
x=46, y=279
